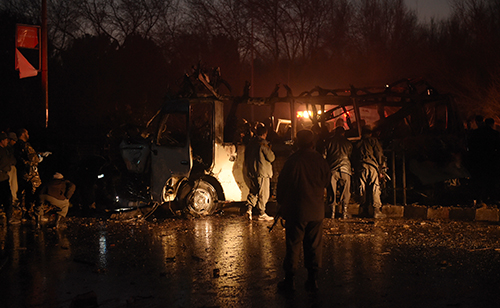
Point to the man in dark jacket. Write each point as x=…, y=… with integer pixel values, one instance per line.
x=338, y=152
x=300, y=192
x=370, y=160
x=56, y=193
x=258, y=162
x=484, y=151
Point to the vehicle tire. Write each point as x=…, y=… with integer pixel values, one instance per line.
x=202, y=199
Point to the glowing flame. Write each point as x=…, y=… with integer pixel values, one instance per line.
x=306, y=113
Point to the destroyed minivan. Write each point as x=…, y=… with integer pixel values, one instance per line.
x=188, y=161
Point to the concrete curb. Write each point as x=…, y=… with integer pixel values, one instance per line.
x=451, y=213
x=487, y=214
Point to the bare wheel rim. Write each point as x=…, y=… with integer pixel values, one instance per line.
x=202, y=198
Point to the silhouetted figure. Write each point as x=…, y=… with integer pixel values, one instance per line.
x=484, y=149
x=338, y=152
x=479, y=120
x=5, y=164
x=301, y=186
x=243, y=132
x=369, y=161
x=321, y=134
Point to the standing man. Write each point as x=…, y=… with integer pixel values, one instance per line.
x=300, y=192
x=5, y=163
x=370, y=160
x=27, y=172
x=484, y=151
x=258, y=162
x=338, y=152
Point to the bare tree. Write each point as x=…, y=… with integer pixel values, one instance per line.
x=471, y=41
x=65, y=23
x=30, y=9
x=121, y=18
x=383, y=30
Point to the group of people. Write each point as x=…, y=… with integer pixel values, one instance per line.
x=306, y=177
x=365, y=161
x=22, y=195
x=483, y=144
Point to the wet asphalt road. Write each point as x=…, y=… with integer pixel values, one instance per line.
x=226, y=261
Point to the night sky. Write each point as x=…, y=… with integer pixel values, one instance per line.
x=426, y=9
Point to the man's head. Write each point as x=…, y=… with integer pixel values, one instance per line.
x=305, y=139
x=22, y=134
x=340, y=131
x=261, y=131
x=489, y=122
x=58, y=176
x=4, y=139
x=12, y=138
x=366, y=131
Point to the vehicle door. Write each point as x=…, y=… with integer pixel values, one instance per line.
x=171, y=151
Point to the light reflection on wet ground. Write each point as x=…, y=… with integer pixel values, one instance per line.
x=226, y=261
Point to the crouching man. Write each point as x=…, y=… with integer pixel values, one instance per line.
x=56, y=193
x=300, y=192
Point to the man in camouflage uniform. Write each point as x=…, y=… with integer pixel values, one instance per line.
x=27, y=172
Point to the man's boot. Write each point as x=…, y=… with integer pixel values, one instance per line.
x=377, y=213
x=311, y=284
x=332, y=207
x=287, y=285
x=345, y=213
x=248, y=214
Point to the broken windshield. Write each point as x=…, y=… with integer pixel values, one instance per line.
x=173, y=130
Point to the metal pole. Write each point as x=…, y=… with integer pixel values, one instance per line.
x=293, y=117
x=252, y=85
x=44, y=58
x=404, y=179
x=394, y=175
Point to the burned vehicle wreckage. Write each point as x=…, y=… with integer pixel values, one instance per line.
x=189, y=157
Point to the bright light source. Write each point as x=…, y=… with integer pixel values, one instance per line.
x=300, y=114
x=304, y=114
x=100, y=176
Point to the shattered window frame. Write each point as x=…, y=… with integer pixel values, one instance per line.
x=201, y=125
x=173, y=130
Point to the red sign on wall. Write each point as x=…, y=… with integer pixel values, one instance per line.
x=27, y=36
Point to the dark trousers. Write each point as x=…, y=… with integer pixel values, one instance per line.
x=5, y=196
x=344, y=180
x=259, y=194
x=25, y=194
x=310, y=235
